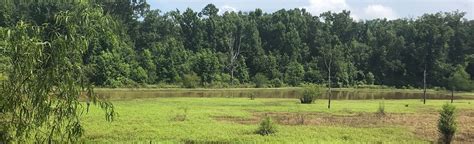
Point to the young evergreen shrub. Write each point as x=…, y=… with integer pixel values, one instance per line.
x=310, y=93
x=267, y=127
x=447, y=123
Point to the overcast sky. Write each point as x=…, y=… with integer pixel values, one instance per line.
x=360, y=9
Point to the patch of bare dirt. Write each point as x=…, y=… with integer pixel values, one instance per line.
x=422, y=124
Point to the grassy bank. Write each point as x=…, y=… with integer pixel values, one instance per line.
x=235, y=120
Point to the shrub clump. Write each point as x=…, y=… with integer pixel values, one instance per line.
x=381, y=109
x=252, y=96
x=447, y=123
x=276, y=83
x=267, y=127
x=190, y=80
x=310, y=93
x=260, y=80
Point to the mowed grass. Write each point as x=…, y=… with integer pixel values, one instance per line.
x=181, y=120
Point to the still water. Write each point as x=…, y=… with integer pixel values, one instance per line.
x=270, y=93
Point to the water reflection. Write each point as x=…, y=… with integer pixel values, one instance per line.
x=268, y=93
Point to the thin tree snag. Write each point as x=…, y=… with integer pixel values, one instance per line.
x=329, y=87
x=328, y=65
x=424, y=85
x=452, y=94
x=234, y=50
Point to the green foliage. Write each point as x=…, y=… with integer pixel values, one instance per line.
x=267, y=127
x=294, y=73
x=313, y=76
x=48, y=75
x=146, y=61
x=166, y=45
x=225, y=78
x=447, y=123
x=171, y=57
x=242, y=72
x=252, y=96
x=190, y=80
x=460, y=80
x=370, y=78
x=276, y=82
x=260, y=80
x=310, y=93
x=206, y=65
x=138, y=74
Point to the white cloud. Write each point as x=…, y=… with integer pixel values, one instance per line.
x=317, y=7
x=373, y=11
x=228, y=8
x=379, y=11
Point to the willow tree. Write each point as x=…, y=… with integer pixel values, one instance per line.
x=46, y=76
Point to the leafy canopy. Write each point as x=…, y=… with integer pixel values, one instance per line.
x=47, y=77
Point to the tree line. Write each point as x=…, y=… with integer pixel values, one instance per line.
x=210, y=48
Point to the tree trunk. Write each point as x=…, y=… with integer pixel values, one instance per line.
x=329, y=87
x=452, y=94
x=232, y=76
x=234, y=49
x=424, y=86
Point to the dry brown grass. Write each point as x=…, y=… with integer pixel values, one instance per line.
x=423, y=125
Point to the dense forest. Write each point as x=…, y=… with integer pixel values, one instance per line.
x=209, y=48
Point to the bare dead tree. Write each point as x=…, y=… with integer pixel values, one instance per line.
x=328, y=60
x=234, y=42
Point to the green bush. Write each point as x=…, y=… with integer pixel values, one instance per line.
x=190, y=80
x=267, y=127
x=460, y=80
x=139, y=75
x=370, y=78
x=3, y=133
x=447, y=123
x=310, y=93
x=313, y=75
x=224, y=78
x=294, y=73
x=381, y=109
x=252, y=96
x=277, y=82
x=260, y=80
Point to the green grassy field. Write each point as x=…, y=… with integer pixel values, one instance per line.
x=234, y=120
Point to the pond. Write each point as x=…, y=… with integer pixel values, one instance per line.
x=126, y=94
